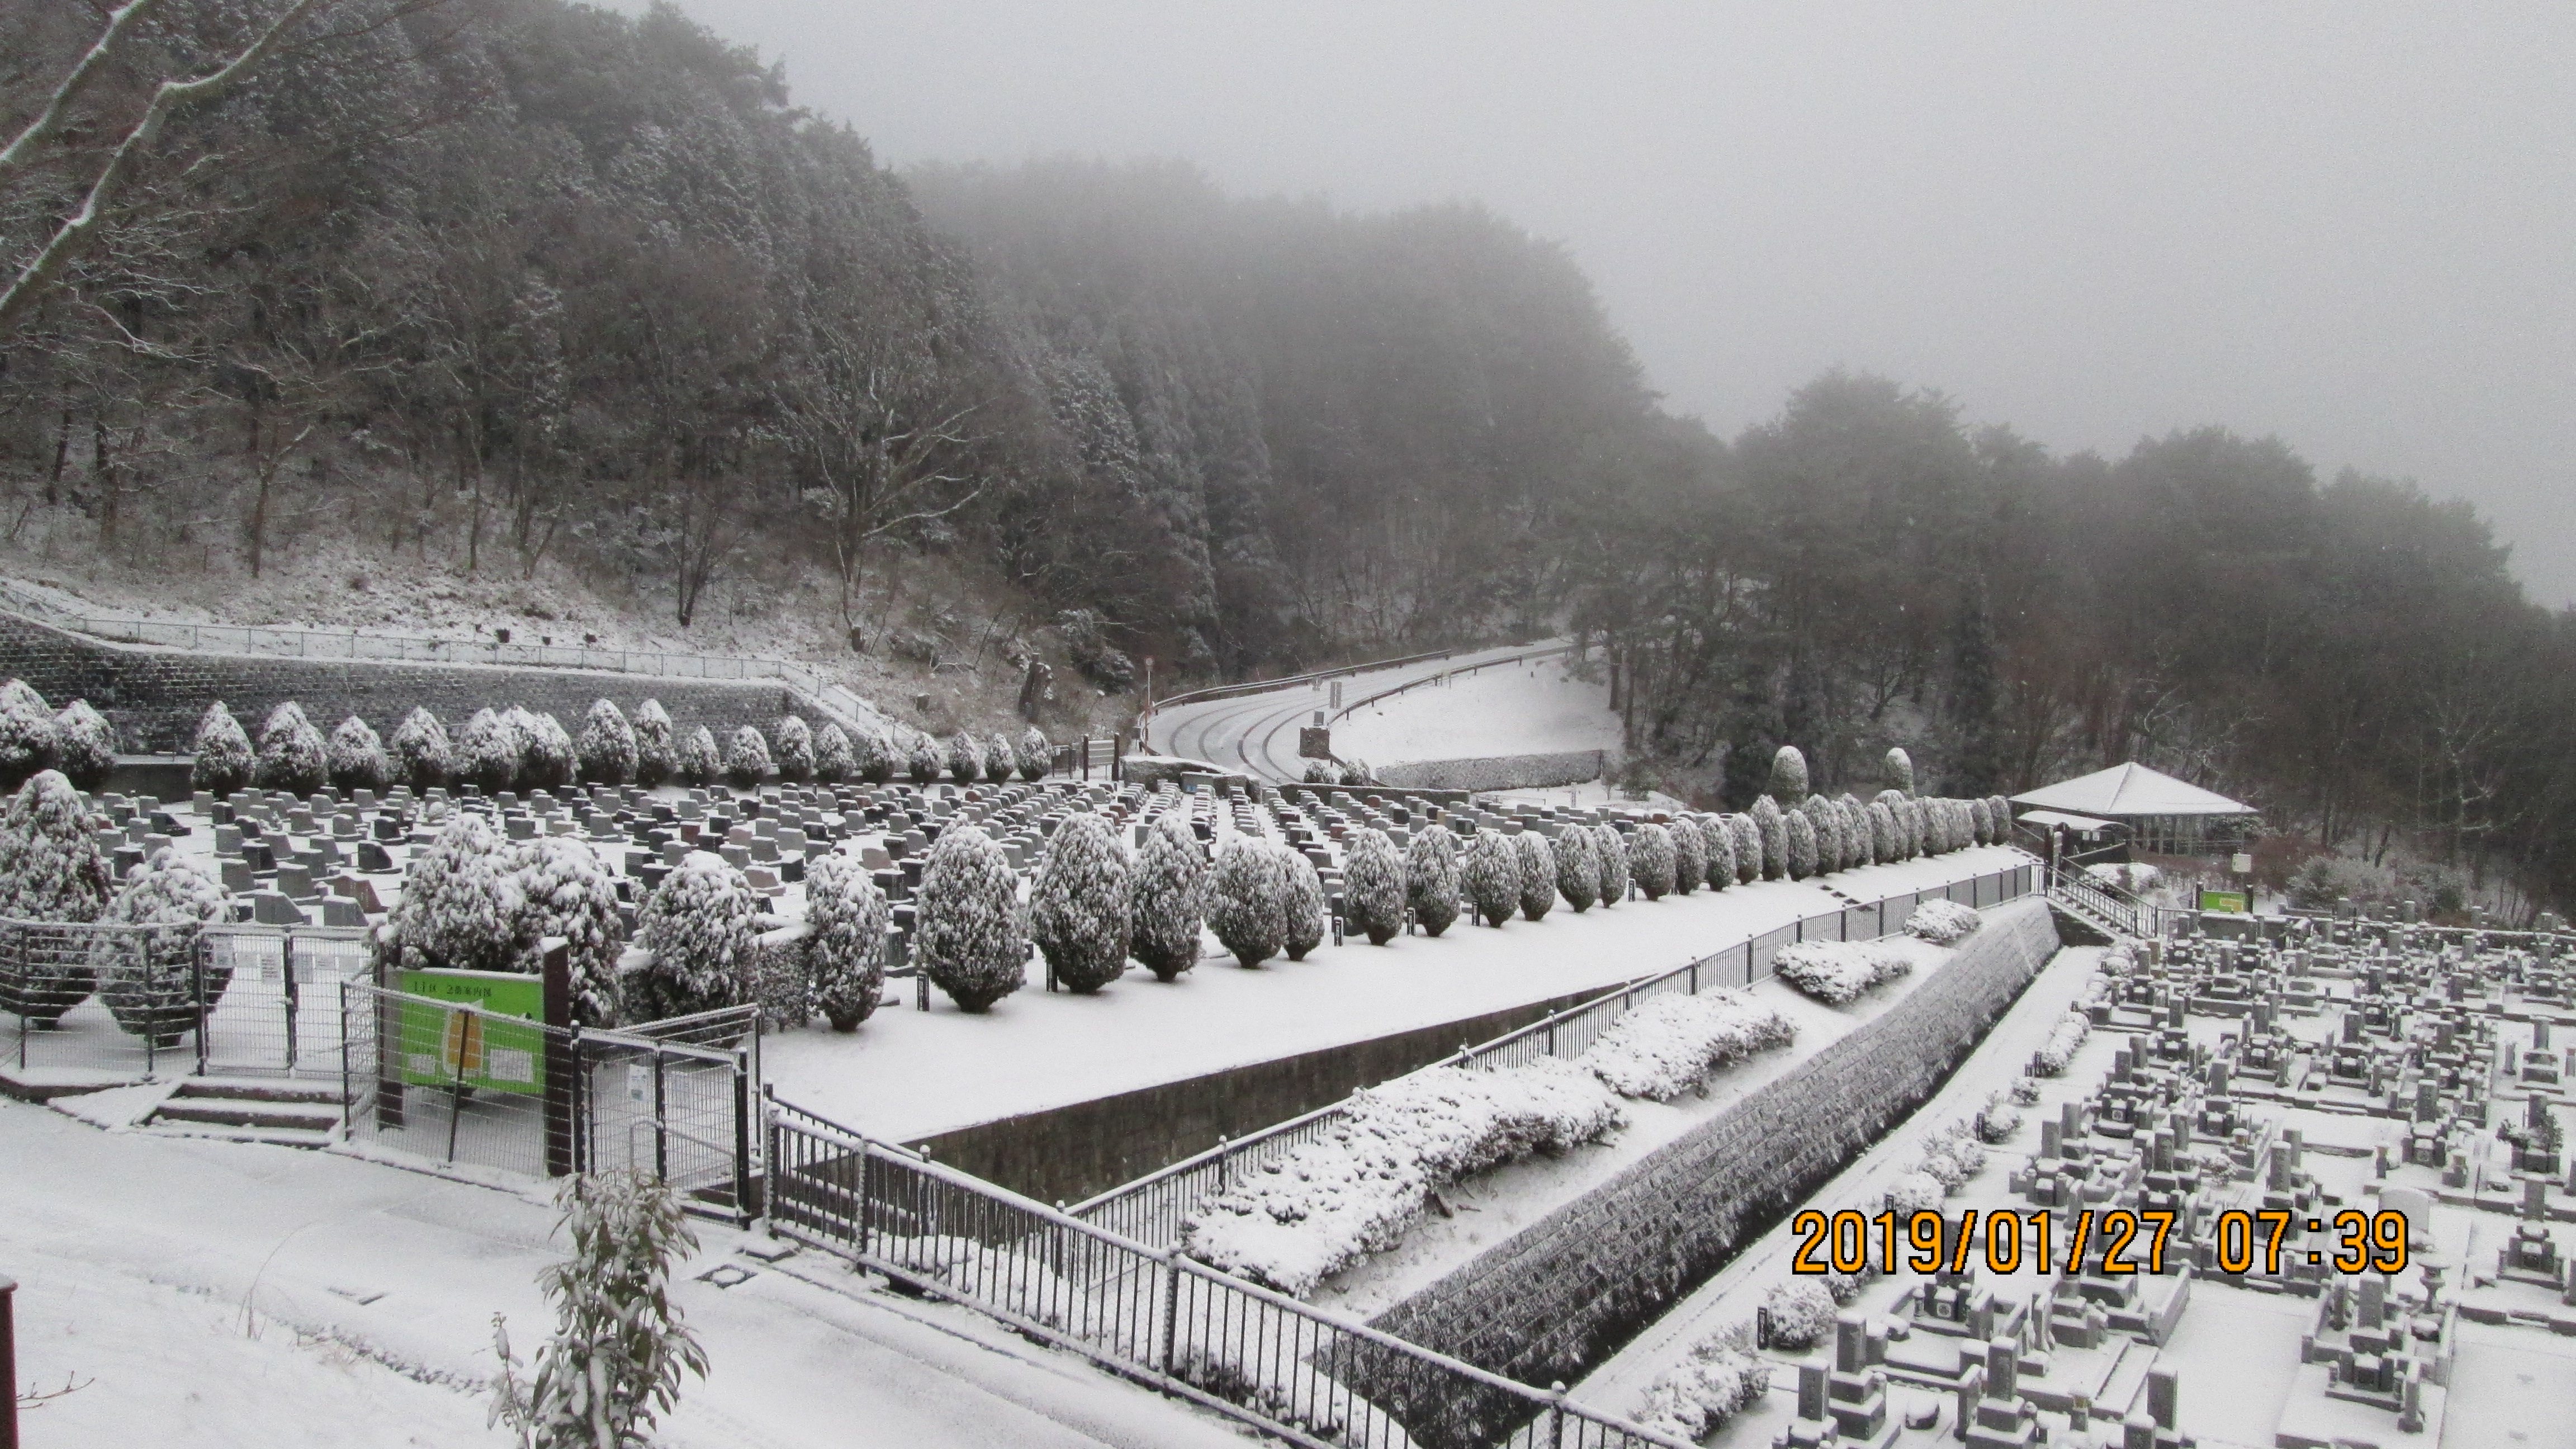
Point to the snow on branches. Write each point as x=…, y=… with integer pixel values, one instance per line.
x=1431, y=878
x=357, y=757
x=746, y=761
x=656, y=757
x=1837, y=972
x=27, y=733
x=698, y=928
x=968, y=933
x=1690, y=855
x=292, y=754
x=795, y=749
x=606, y=751
x=1304, y=916
x=1943, y=923
x=2064, y=1040
x=1492, y=876
x=1078, y=909
x=1166, y=900
x=845, y=933
x=697, y=761
x=1034, y=754
x=1673, y=1042
x=1373, y=885
x=565, y=891
x=422, y=757
x=1578, y=868
x=833, y=760
x=1652, y=860
x=1245, y=905
x=84, y=745
x=1538, y=873
x=146, y=979
x=224, y=760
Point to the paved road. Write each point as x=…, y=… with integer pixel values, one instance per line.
x=1257, y=733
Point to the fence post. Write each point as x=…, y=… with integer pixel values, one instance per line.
x=8, y=1363
x=1171, y=1308
x=744, y=1208
x=197, y=989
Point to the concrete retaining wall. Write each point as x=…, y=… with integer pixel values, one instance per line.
x=1560, y=1296
x=155, y=696
x=1496, y=772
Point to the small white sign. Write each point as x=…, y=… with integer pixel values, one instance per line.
x=510, y=1064
x=2241, y=863
x=639, y=1082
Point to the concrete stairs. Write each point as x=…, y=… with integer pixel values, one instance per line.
x=286, y=1113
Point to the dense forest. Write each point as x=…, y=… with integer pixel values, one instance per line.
x=501, y=281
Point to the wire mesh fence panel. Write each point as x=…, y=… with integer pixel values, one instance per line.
x=447, y=1083
x=675, y=1112
x=97, y=1000
x=271, y=1001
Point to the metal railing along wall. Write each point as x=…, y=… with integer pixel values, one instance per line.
x=1152, y=1208
x=1445, y=676
x=1293, y=1371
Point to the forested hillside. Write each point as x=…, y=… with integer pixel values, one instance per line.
x=508, y=283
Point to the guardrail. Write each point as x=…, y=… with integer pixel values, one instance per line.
x=1258, y=686
x=1446, y=675
x=1152, y=1208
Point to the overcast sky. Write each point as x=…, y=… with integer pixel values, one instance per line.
x=2350, y=224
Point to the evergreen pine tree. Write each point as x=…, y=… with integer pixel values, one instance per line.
x=1244, y=905
x=357, y=757
x=1774, y=831
x=50, y=871
x=1612, y=846
x=1537, y=861
x=1431, y=878
x=698, y=926
x=845, y=926
x=84, y=746
x=1652, y=860
x=292, y=754
x=656, y=753
x=422, y=758
x=1304, y=916
x=795, y=749
x=620, y=1350
x=833, y=760
x=563, y=890
x=1078, y=904
x=1690, y=855
x=1372, y=886
x=1788, y=786
x=27, y=741
x=968, y=932
x=1167, y=898
x=148, y=979
x=607, y=749
x=1034, y=754
x=1492, y=876
x=224, y=762
x=1578, y=867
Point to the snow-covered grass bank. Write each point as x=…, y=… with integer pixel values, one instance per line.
x=1518, y=709
x=908, y=1074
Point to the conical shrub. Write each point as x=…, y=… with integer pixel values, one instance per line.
x=1578, y=867
x=845, y=934
x=1492, y=876
x=968, y=930
x=1431, y=878
x=1078, y=904
x=224, y=761
x=1373, y=886
x=1167, y=893
x=1245, y=905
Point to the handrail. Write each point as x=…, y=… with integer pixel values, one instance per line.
x=1521, y=658
x=1258, y=686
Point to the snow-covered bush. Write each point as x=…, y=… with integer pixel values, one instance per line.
x=483, y=754
x=2064, y=1040
x=965, y=758
x=292, y=754
x=147, y=979
x=1746, y=835
x=1325, y=1204
x=832, y=760
x=1981, y=822
x=1885, y=845
x=1537, y=861
x=1860, y=842
x=698, y=928
x=1653, y=860
x=224, y=760
x=922, y=758
x=1244, y=905
x=1431, y=878
x=1673, y=1042
x=421, y=756
x=1837, y=972
x=697, y=761
x=845, y=933
x=1612, y=848
x=1788, y=784
x=1827, y=828
x=1801, y=1312
x=1944, y=1169
x=999, y=759
x=1722, y=1378
x=1958, y=1141
x=1034, y=754
x=620, y=1350
x=607, y=749
x=747, y=760
x=1800, y=834
x=50, y=870
x=1321, y=772
x=2138, y=879
x=462, y=906
x=28, y=739
x=1773, y=830
x=565, y=891
x=1491, y=876
x=1578, y=867
x=1304, y=915
x=872, y=755
x=1690, y=855
x=1998, y=1120
x=793, y=748
x=1078, y=904
x=1943, y=923
x=969, y=935
x=545, y=749
x=1912, y=1193
x=1900, y=772
x=1167, y=898
x=84, y=745
x=1372, y=886
x=1717, y=851
x=354, y=758
x=657, y=754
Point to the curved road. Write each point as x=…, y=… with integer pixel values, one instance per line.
x=1257, y=733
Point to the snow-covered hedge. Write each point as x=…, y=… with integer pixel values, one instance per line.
x=292, y=754
x=27, y=733
x=1837, y=972
x=2064, y=1040
x=845, y=932
x=795, y=749
x=698, y=928
x=1578, y=868
x=833, y=760
x=1721, y=1378
x=1801, y=1312
x=1492, y=876
x=1943, y=923
x=1612, y=848
x=697, y=761
x=1673, y=1042
x=1244, y=905
x=657, y=755
x=224, y=761
x=357, y=757
x=747, y=760
x=968, y=931
x=147, y=979
x=1537, y=862
x=1323, y=1205
x=1651, y=860
x=606, y=750
x=1372, y=886
x=1034, y=754
x=422, y=757
x=1304, y=916
x=1431, y=878
x=84, y=745
x=1078, y=904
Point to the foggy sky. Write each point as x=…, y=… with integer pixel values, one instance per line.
x=2351, y=224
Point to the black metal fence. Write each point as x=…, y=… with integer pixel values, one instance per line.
x=1292, y=1370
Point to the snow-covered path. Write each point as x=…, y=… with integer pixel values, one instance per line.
x=226, y=1294
x=1257, y=733
x=1521, y=709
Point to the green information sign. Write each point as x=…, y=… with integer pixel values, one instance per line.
x=2236, y=901
x=482, y=1047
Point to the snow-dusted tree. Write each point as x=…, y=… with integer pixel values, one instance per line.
x=698, y=928
x=2001, y=811
x=923, y=759
x=1304, y=917
x=1719, y=839
x=1801, y=1312
x=356, y=757
x=1000, y=760
x=968, y=932
x=1492, y=876
x=1746, y=836
x=620, y=1350
x=833, y=761
x=1918, y=827
x=1078, y=904
x=1431, y=878
x=795, y=749
x=1981, y=817
x=483, y=753
x=462, y=907
x=607, y=748
x=964, y=757
x=84, y=745
x=746, y=761
x=1801, y=833
x=1578, y=867
x=224, y=760
x=845, y=933
x=1167, y=898
x=148, y=978
x=872, y=755
x=1774, y=830
x=27, y=738
x=1322, y=772
x=548, y=760
x=656, y=752
x=1244, y=905
x=1372, y=885
x=1900, y=772
x=1827, y=825
x=1034, y=754
x=419, y=755
x=1885, y=842
x=50, y=870
x=1690, y=855
x=1537, y=861
x=292, y=754
x=565, y=891
x=697, y=761
x=1859, y=845
x=1611, y=845
x=1788, y=786
x=1651, y=860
